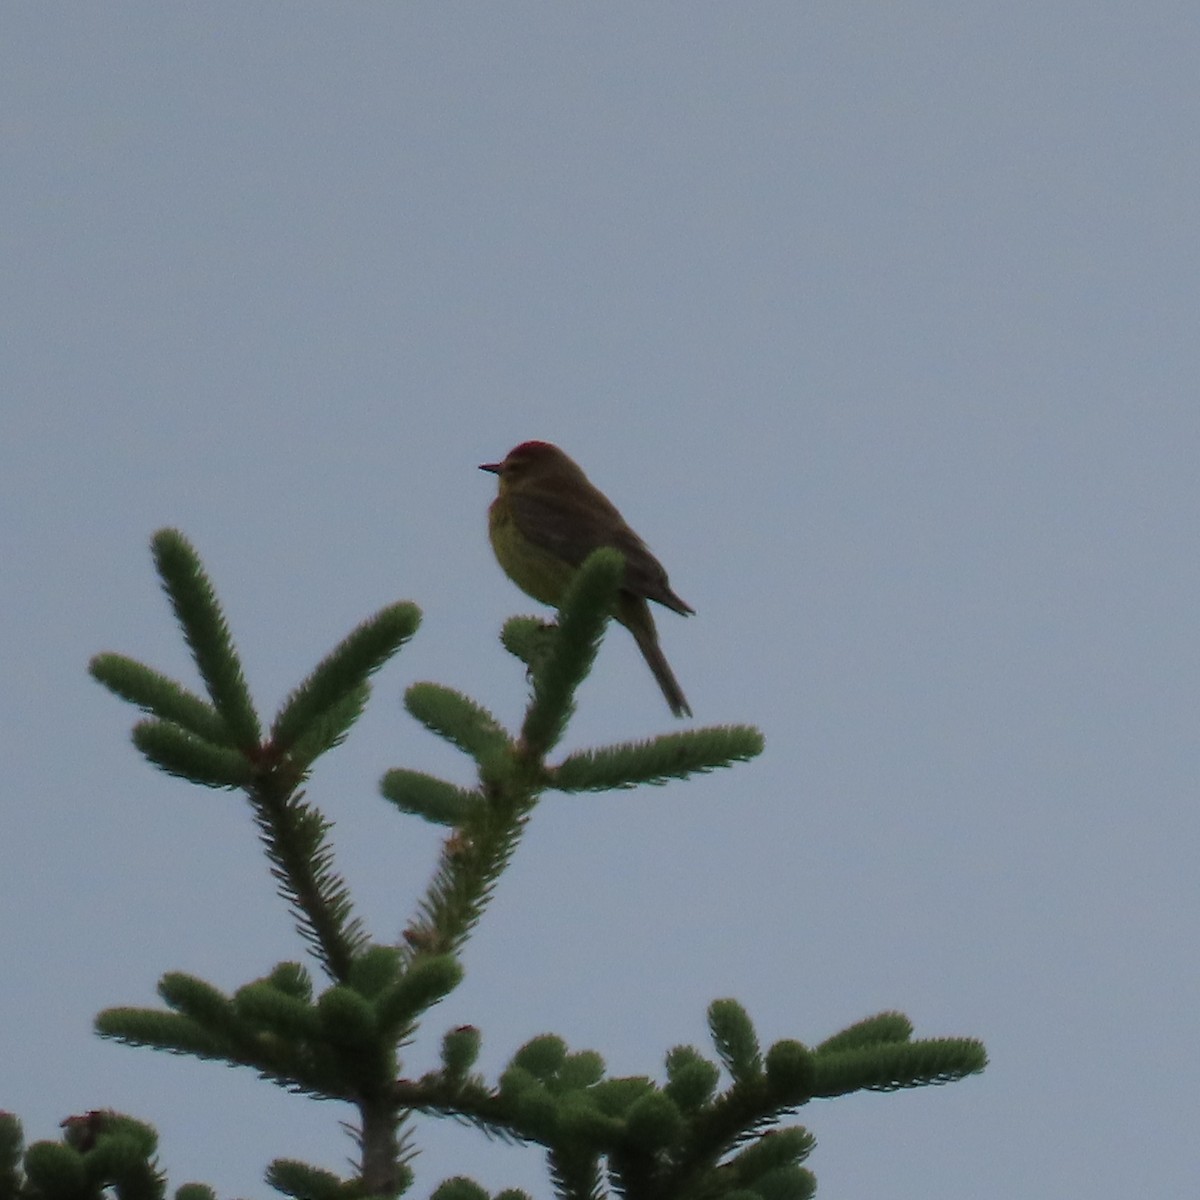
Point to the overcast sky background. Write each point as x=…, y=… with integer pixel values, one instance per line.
x=879, y=322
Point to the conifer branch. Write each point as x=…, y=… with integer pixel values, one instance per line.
x=375, y=969
x=161, y=1031
x=790, y=1073
x=429, y=978
x=683, y=1140
x=467, y=1101
x=344, y=671
x=735, y=1040
x=295, y=836
x=891, y=1066
x=304, y=1182
x=459, y=1187
x=267, y=1008
x=582, y=619
x=530, y=639
x=691, y=1078
x=736, y=1116
x=160, y=696
x=776, y=1150
x=575, y=1173
x=473, y=857
x=12, y=1144
x=872, y=1031
x=327, y=729
x=100, y=1151
x=432, y=799
x=195, y=1191
x=460, y=1049
x=658, y=760
x=309, y=1068
x=207, y=634
x=178, y=752
x=458, y=719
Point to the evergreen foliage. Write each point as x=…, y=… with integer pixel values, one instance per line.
x=710, y=1131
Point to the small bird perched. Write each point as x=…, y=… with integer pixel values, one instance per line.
x=548, y=518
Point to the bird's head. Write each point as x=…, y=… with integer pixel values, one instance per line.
x=538, y=462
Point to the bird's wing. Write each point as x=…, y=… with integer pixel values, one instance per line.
x=572, y=527
x=569, y=528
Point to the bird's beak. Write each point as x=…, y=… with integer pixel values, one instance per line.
x=493, y=467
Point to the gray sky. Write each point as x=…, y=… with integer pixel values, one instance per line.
x=879, y=322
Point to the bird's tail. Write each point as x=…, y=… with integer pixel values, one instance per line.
x=638, y=619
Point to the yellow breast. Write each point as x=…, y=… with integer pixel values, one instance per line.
x=536, y=571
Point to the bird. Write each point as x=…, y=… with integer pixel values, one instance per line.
x=545, y=521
